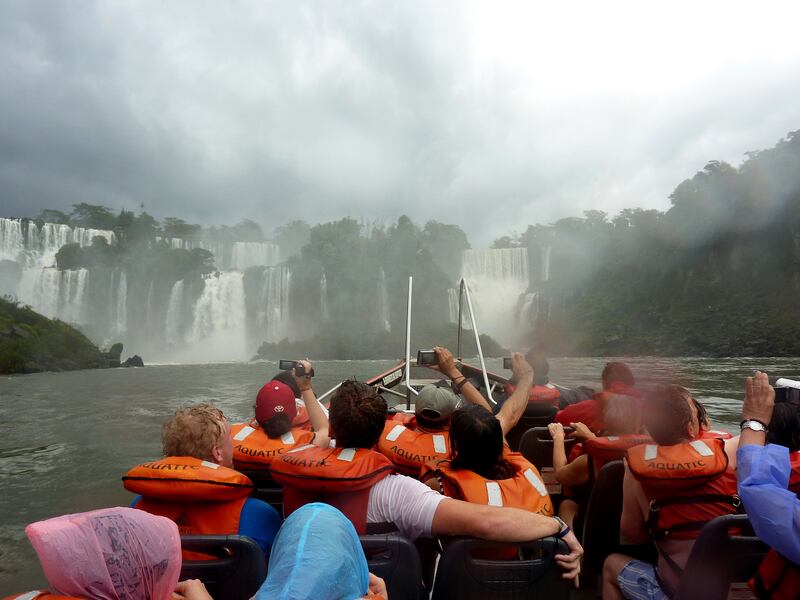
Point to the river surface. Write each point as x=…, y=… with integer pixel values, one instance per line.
x=67, y=438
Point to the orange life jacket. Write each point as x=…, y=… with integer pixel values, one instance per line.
x=546, y=394
x=39, y=595
x=778, y=578
x=254, y=449
x=341, y=477
x=200, y=496
x=526, y=489
x=409, y=449
x=605, y=449
x=687, y=485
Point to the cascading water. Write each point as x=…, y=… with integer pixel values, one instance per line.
x=383, y=302
x=546, y=252
x=273, y=314
x=497, y=277
x=529, y=312
x=121, y=313
x=173, y=327
x=12, y=240
x=253, y=254
x=56, y=294
x=218, y=323
x=323, y=299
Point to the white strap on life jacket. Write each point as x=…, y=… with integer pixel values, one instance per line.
x=395, y=433
x=536, y=482
x=494, y=493
x=439, y=445
x=701, y=448
x=347, y=454
x=287, y=438
x=28, y=595
x=612, y=438
x=650, y=452
x=210, y=465
x=300, y=448
x=243, y=433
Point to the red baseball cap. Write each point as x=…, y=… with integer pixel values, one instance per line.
x=275, y=398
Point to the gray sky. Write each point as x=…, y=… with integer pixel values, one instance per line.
x=491, y=115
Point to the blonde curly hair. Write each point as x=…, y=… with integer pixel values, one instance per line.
x=194, y=431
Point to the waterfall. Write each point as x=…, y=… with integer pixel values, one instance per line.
x=383, y=302
x=273, y=314
x=497, y=278
x=173, y=327
x=56, y=294
x=323, y=299
x=218, y=321
x=546, y=251
x=252, y=254
x=121, y=314
x=12, y=242
x=530, y=310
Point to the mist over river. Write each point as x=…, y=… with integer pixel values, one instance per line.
x=67, y=438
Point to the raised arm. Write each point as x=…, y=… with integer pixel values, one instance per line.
x=316, y=414
x=447, y=365
x=516, y=404
x=567, y=473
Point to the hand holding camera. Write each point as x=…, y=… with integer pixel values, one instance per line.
x=302, y=371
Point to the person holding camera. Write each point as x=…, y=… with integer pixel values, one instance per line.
x=271, y=433
x=764, y=471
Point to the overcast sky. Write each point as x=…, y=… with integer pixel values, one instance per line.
x=490, y=115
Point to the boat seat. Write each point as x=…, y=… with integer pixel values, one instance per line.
x=601, y=519
x=537, y=414
x=537, y=446
x=237, y=570
x=726, y=553
x=462, y=576
x=266, y=488
x=395, y=560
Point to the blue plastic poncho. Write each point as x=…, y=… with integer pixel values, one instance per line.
x=316, y=555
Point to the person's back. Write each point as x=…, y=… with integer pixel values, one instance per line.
x=672, y=488
x=617, y=378
x=195, y=484
x=482, y=470
x=409, y=444
x=257, y=443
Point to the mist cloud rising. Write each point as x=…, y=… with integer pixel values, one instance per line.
x=489, y=115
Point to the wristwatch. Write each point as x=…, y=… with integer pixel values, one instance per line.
x=753, y=424
x=563, y=528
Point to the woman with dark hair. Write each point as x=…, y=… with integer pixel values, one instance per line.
x=481, y=468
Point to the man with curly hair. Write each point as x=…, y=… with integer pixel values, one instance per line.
x=195, y=484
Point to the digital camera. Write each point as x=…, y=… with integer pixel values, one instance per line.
x=299, y=369
x=427, y=357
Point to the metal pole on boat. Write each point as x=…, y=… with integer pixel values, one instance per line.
x=409, y=389
x=460, y=301
x=465, y=287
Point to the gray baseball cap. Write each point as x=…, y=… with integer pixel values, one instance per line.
x=435, y=403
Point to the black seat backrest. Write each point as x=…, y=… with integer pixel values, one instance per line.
x=237, y=570
x=266, y=489
x=462, y=576
x=395, y=560
x=537, y=446
x=726, y=552
x=537, y=414
x=601, y=517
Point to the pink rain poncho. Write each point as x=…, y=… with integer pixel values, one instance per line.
x=109, y=554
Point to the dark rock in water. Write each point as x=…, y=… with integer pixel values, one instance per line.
x=113, y=355
x=134, y=361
